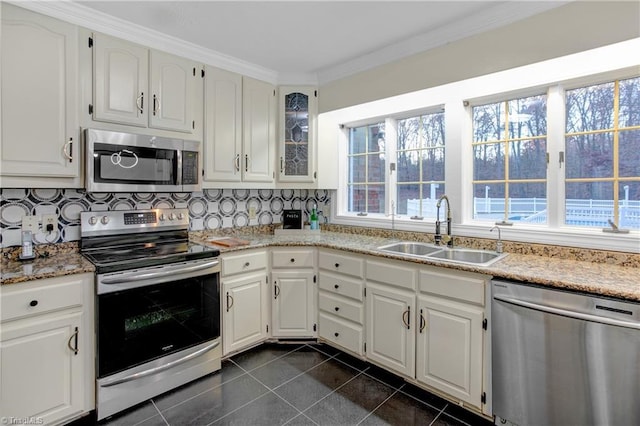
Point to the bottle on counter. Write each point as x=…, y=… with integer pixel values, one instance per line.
x=313, y=219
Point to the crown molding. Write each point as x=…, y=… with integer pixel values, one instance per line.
x=503, y=13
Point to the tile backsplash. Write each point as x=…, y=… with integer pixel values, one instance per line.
x=208, y=209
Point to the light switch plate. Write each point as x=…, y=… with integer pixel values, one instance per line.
x=31, y=223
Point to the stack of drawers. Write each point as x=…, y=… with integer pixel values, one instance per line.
x=341, y=295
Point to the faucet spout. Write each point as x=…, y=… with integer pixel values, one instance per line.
x=438, y=236
x=499, y=242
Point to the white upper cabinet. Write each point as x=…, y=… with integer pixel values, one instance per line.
x=138, y=87
x=40, y=130
x=298, y=109
x=259, y=130
x=223, y=126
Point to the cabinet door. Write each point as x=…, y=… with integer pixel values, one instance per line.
x=41, y=375
x=40, y=130
x=245, y=311
x=298, y=111
x=223, y=125
x=173, y=84
x=449, y=349
x=390, y=324
x=120, y=81
x=294, y=307
x=259, y=120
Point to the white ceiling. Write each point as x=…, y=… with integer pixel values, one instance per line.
x=320, y=40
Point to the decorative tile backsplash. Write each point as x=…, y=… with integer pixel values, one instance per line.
x=209, y=209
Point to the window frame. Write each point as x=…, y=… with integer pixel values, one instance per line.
x=552, y=77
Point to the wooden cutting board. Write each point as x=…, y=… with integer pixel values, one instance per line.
x=229, y=242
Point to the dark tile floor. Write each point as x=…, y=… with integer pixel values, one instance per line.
x=301, y=384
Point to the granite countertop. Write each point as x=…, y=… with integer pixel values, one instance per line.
x=596, y=278
x=56, y=265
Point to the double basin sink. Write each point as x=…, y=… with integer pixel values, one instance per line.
x=456, y=255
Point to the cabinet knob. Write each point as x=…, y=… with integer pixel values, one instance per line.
x=336, y=286
x=33, y=303
x=246, y=265
x=337, y=265
x=292, y=260
x=336, y=334
x=337, y=308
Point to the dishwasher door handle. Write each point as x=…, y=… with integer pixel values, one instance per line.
x=567, y=313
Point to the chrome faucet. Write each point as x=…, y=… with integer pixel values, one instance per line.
x=439, y=238
x=499, y=242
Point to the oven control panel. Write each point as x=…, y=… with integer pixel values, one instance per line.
x=103, y=222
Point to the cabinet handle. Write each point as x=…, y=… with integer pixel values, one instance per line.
x=246, y=265
x=337, y=308
x=67, y=150
x=293, y=260
x=33, y=303
x=156, y=104
x=229, y=304
x=336, y=286
x=337, y=265
x=281, y=165
x=246, y=163
x=407, y=314
x=336, y=334
x=423, y=322
x=276, y=290
x=74, y=337
x=140, y=102
x=237, y=162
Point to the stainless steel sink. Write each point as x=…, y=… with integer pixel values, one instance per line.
x=469, y=256
x=411, y=248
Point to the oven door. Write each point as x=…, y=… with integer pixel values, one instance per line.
x=150, y=313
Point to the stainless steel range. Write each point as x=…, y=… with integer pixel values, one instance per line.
x=157, y=304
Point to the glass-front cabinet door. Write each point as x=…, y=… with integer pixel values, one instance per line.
x=298, y=113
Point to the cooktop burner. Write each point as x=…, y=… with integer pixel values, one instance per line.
x=121, y=240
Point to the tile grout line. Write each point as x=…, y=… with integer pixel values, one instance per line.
x=335, y=390
x=268, y=362
x=381, y=404
x=159, y=412
x=439, y=414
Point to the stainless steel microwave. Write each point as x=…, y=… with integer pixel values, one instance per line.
x=127, y=162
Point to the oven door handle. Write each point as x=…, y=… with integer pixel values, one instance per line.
x=166, y=366
x=135, y=276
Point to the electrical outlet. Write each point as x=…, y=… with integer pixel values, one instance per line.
x=49, y=222
x=31, y=223
x=252, y=212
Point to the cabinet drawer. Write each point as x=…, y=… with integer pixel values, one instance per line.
x=341, y=307
x=392, y=274
x=338, y=262
x=245, y=262
x=458, y=285
x=341, y=333
x=41, y=296
x=338, y=284
x=300, y=258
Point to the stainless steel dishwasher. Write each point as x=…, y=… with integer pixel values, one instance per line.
x=564, y=358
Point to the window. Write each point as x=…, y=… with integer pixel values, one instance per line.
x=510, y=160
x=602, y=145
x=366, y=175
x=420, y=164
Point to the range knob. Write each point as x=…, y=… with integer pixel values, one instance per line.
x=162, y=217
x=104, y=220
x=180, y=216
x=172, y=216
x=93, y=220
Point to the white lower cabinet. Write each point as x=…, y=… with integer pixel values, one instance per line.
x=245, y=300
x=341, y=300
x=47, y=349
x=293, y=295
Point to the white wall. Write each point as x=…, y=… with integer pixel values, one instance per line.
x=576, y=27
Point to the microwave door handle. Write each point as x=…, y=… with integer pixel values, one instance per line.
x=179, y=168
x=134, y=276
